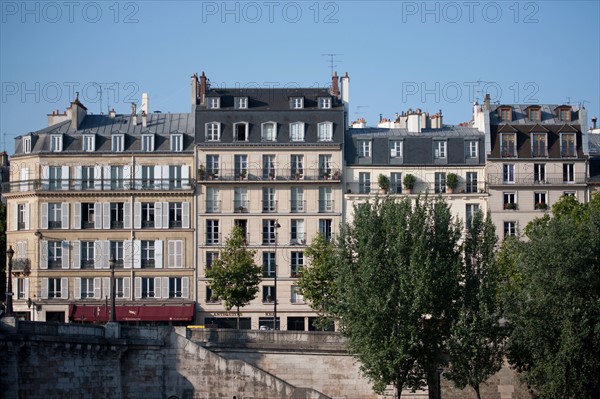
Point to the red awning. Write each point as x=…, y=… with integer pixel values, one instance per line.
x=101, y=313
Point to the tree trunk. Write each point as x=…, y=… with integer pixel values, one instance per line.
x=433, y=384
x=398, y=392
x=238, y=317
x=476, y=388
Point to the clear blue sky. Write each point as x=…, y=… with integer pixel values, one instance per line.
x=399, y=55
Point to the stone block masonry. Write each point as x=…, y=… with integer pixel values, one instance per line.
x=44, y=360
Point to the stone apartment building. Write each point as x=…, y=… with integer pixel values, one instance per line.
x=430, y=154
x=270, y=161
x=158, y=194
x=535, y=154
x=90, y=190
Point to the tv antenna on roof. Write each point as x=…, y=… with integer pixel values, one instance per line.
x=568, y=100
x=332, y=60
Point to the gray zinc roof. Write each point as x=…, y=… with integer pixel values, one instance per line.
x=520, y=116
x=104, y=126
x=446, y=131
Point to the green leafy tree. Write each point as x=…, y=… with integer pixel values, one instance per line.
x=553, y=305
x=476, y=346
x=317, y=282
x=397, y=285
x=235, y=276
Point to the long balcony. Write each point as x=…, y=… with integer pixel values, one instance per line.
x=420, y=187
x=531, y=179
x=276, y=175
x=112, y=185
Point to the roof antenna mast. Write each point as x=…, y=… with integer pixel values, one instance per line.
x=332, y=61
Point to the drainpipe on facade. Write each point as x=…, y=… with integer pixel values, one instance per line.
x=131, y=231
x=195, y=240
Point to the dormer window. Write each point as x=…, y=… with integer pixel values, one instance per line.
x=563, y=112
x=241, y=102
x=324, y=102
x=214, y=103
x=297, y=131
x=56, y=143
x=213, y=131
x=147, y=142
x=118, y=143
x=177, y=142
x=568, y=147
x=297, y=102
x=539, y=145
x=26, y=145
x=508, y=145
x=240, y=131
x=505, y=114
x=89, y=143
x=269, y=131
x=534, y=113
x=325, y=131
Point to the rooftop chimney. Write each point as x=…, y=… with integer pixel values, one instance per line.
x=414, y=123
x=144, y=119
x=145, y=106
x=594, y=120
x=202, y=87
x=486, y=103
x=134, y=114
x=112, y=114
x=77, y=112
x=345, y=94
x=335, y=89
x=194, y=90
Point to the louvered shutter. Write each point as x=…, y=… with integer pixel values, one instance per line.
x=77, y=254
x=65, y=216
x=44, y=216
x=158, y=254
x=185, y=287
x=43, y=254
x=65, y=254
x=106, y=215
x=77, y=215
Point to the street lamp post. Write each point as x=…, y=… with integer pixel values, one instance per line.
x=276, y=226
x=10, y=252
x=112, y=289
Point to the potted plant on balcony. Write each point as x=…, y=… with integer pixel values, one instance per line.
x=271, y=175
x=336, y=174
x=326, y=174
x=243, y=174
x=510, y=205
x=384, y=184
x=409, y=183
x=451, y=182
x=201, y=172
x=541, y=205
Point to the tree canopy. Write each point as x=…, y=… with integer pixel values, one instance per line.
x=397, y=283
x=235, y=276
x=476, y=344
x=553, y=304
x=318, y=282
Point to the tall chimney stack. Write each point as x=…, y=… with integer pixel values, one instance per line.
x=486, y=103
x=77, y=112
x=145, y=103
x=194, y=91
x=345, y=94
x=134, y=114
x=335, y=89
x=144, y=119
x=202, y=88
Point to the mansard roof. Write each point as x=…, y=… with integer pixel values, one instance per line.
x=105, y=126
